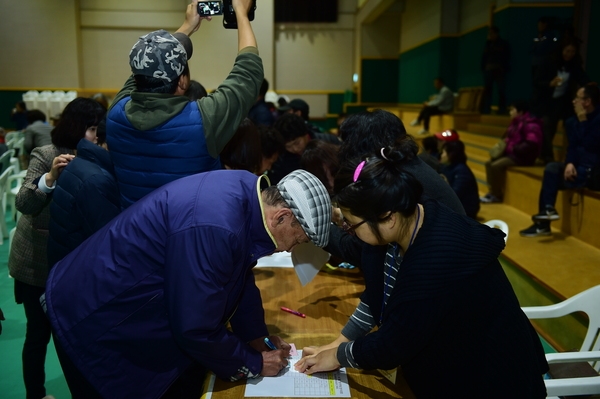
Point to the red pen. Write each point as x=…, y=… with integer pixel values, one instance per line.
x=292, y=311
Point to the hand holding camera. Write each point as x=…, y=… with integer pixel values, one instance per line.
x=225, y=8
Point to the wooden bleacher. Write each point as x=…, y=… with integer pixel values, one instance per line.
x=543, y=270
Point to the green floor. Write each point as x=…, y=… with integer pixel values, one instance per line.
x=11, y=342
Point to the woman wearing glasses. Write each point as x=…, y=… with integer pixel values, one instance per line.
x=444, y=309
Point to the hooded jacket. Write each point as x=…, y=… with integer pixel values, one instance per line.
x=154, y=289
x=157, y=138
x=524, y=139
x=86, y=197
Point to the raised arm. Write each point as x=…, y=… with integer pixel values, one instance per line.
x=246, y=36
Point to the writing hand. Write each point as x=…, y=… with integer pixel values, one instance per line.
x=274, y=361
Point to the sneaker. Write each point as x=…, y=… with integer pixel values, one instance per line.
x=422, y=132
x=415, y=122
x=536, y=230
x=489, y=199
x=549, y=214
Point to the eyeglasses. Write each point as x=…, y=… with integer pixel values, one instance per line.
x=350, y=228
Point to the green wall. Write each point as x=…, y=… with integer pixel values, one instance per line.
x=8, y=100
x=470, y=49
x=593, y=55
x=518, y=25
x=379, y=80
x=458, y=59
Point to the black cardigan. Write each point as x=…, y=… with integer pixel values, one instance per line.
x=453, y=322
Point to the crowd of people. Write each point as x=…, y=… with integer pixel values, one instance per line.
x=143, y=217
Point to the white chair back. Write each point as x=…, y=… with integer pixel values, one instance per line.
x=499, y=224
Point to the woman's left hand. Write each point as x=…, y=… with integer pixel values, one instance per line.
x=58, y=164
x=323, y=361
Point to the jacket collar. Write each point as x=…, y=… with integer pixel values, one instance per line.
x=95, y=154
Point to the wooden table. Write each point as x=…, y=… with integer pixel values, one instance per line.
x=327, y=301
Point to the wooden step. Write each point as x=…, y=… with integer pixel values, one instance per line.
x=561, y=262
x=579, y=214
x=479, y=140
x=489, y=130
x=500, y=120
x=477, y=154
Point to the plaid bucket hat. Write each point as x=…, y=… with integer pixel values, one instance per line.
x=160, y=55
x=309, y=202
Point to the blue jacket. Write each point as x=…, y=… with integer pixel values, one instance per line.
x=154, y=288
x=584, y=140
x=147, y=159
x=85, y=199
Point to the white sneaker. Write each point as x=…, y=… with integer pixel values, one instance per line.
x=414, y=122
x=423, y=132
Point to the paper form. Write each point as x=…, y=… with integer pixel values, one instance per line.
x=290, y=383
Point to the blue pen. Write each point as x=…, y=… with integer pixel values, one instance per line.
x=270, y=344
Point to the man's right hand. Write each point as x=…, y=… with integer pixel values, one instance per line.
x=241, y=7
x=570, y=172
x=192, y=19
x=273, y=361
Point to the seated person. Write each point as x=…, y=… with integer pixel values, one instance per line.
x=242, y=152
x=583, y=154
x=260, y=113
x=442, y=103
x=195, y=91
x=459, y=176
x=296, y=135
x=37, y=133
x=523, y=145
x=321, y=159
x=300, y=107
x=430, y=154
x=271, y=146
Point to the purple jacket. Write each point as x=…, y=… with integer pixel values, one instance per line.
x=155, y=287
x=524, y=139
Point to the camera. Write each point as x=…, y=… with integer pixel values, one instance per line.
x=229, y=19
x=210, y=8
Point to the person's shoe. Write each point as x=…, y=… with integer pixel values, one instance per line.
x=537, y=230
x=549, y=214
x=415, y=122
x=422, y=132
x=489, y=199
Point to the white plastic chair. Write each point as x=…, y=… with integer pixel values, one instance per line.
x=499, y=224
x=3, y=227
x=5, y=159
x=11, y=193
x=588, y=302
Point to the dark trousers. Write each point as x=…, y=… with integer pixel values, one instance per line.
x=426, y=113
x=554, y=181
x=489, y=78
x=187, y=386
x=558, y=109
x=37, y=337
